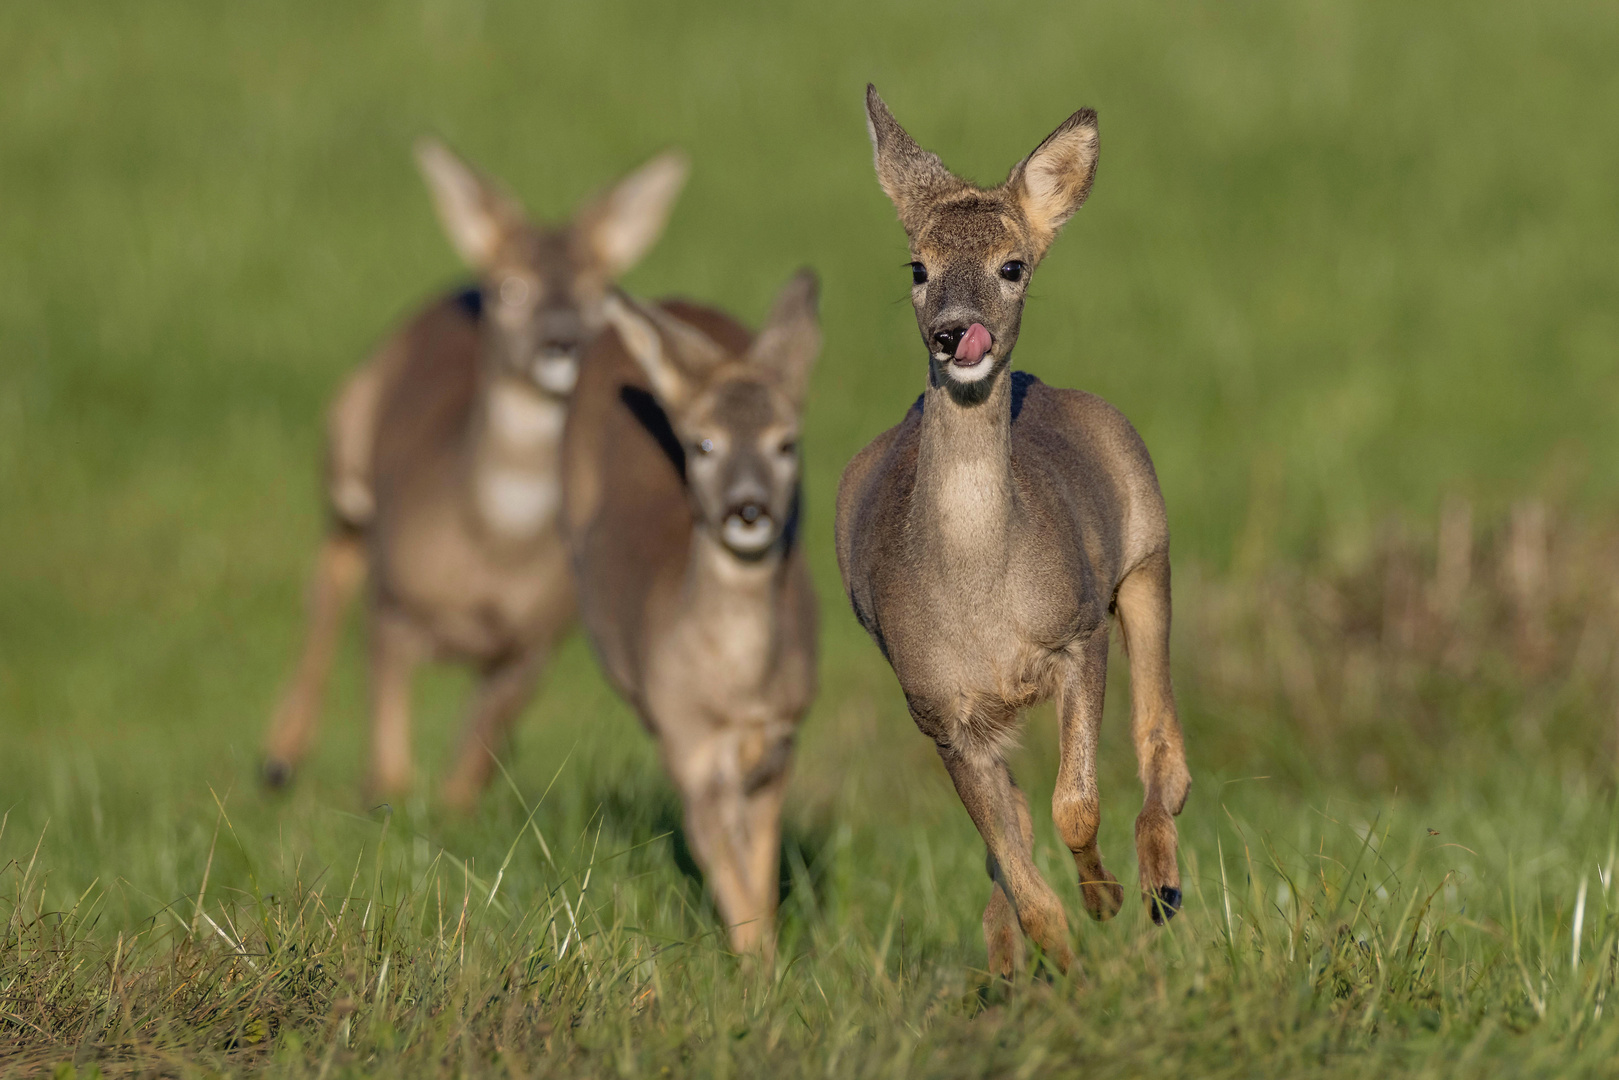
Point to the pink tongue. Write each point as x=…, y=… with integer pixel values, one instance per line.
x=974, y=344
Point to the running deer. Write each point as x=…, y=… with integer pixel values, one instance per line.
x=681, y=496
x=984, y=541
x=442, y=475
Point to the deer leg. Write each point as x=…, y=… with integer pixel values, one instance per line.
x=339, y=568
x=503, y=689
x=707, y=769
x=396, y=649
x=1076, y=805
x=1002, y=937
x=351, y=428
x=1143, y=607
x=996, y=806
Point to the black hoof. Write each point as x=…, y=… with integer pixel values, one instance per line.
x=277, y=774
x=1165, y=904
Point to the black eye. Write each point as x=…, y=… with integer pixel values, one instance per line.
x=789, y=446
x=1014, y=270
x=919, y=274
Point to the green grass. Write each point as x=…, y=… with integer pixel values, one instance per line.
x=1341, y=261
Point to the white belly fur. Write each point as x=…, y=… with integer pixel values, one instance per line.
x=517, y=503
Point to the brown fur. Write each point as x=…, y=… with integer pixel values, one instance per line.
x=713, y=646
x=985, y=539
x=443, y=470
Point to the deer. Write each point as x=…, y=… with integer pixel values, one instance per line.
x=681, y=505
x=985, y=541
x=442, y=477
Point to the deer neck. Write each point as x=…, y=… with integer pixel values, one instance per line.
x=730, y=606
x=964, y=503
x=514, y=457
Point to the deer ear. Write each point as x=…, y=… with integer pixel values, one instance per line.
x=1052, y=183
x=791, y=339
x=477, y=214
x=911, y=177
x=622, y=225
x=672, y=354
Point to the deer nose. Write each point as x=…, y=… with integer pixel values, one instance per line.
x=947, y=340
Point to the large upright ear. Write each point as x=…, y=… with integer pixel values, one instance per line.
x=911, y=176
x=622, y=225
x=478, y=215
x=791, y=340
x=1052, y=183
x=673, y=354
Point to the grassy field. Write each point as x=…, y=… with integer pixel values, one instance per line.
x=1344, y=265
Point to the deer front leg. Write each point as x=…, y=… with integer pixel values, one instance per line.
x=396, y=649
x=1143, y=606
x=1076, y=805
x=1002, y=936
x=339, y=568
x=993, y=801
x=725, y=838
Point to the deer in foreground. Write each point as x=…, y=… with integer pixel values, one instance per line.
x=681, y=482
x=442, y=475
x=985, y=540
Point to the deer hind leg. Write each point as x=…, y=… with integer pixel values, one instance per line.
x=1001, y=814
x=339, y=569
x=396, y=649
x=1076, y=804
x=1143, y=607
x=503, y=689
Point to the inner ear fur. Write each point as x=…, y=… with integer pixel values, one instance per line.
x=911, y=177
x=1052, y=183
x=674, y=355
x=478, y=215
x=791, y=338
x=620, y=226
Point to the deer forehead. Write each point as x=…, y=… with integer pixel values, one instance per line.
x=746, y=406
x=978, y=228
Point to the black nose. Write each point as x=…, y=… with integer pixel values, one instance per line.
x=947, y=340
x=750, y=512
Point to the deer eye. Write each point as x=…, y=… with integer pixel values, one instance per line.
x=1014, y=270
x=788, y=446
x=919, y=274
x=705, y=446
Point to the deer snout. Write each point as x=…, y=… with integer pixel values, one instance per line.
x=945, y=341
x=749, y=529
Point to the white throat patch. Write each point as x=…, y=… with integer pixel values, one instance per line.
x=522, y=418
x=977, y=373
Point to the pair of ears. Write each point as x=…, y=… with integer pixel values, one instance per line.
x=679, y=359
x=616, y=228
x=1049, y=185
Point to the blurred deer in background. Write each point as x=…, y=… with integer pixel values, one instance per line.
x=442, y=473
x=681, y=481
x=986, y=539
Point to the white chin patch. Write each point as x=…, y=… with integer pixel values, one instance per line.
x=964, y=373
x=746, y=539
x=556, y=375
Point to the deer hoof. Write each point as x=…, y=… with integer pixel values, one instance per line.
x=276, y=774
x=1165, y=904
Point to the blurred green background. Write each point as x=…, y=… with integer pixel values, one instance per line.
x=1341, y=260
